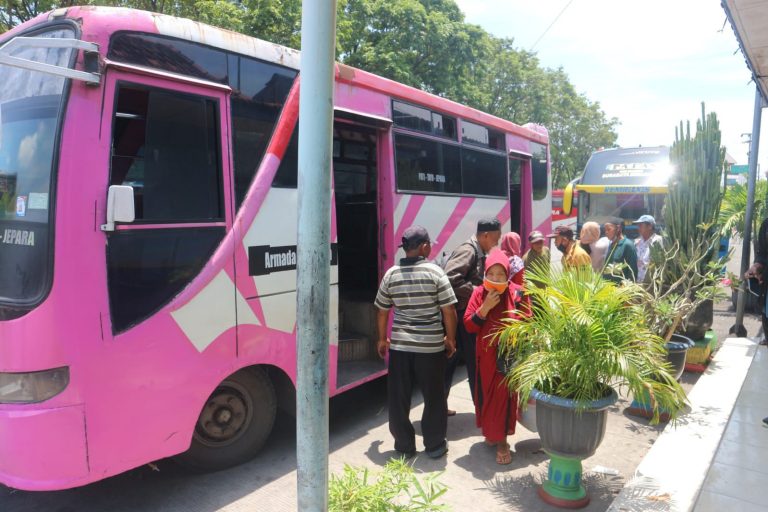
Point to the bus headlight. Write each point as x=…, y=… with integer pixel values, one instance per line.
x=31, y=387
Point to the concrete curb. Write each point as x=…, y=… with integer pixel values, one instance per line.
x=672, y=474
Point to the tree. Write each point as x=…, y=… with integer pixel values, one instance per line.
x=422, y=43
x=15, y=12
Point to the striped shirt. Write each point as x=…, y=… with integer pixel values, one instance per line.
x=417, y=290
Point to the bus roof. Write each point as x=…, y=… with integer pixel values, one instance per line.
x=628, y=167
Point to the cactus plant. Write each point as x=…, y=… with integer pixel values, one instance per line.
x=696, y=189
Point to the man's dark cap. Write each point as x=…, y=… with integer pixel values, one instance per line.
x=486, y=225
x=413, y=237
x=563, y=231
x=616, y=221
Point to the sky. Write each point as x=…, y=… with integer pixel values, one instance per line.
x=648, y=63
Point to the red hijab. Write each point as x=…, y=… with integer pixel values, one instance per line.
x=510, y=244
x=512, y=296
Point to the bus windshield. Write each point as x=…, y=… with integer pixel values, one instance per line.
x=601, y=207
x=30, y=108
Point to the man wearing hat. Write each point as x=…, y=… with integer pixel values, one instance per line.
x=423, y=334
x=538, y=255
x=573, y=255
x=620, y=251
x=465, y=269
x=645, y=226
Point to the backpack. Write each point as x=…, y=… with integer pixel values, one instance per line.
x=443, y=258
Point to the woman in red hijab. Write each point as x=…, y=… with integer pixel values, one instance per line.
x=510, y=244
x=495, y=404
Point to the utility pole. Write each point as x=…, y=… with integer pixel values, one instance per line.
x=738, y=328
x=318, y=46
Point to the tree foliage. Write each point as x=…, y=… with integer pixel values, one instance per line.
x=422, y=43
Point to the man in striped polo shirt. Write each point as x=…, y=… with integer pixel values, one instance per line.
x=423, y=335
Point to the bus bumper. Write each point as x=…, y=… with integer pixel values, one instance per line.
x=43, y=449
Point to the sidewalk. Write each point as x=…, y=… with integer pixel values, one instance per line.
x=738, y=476
x=714, y=459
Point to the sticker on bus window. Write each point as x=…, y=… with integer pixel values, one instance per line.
x=21, y=206
x=38, y=201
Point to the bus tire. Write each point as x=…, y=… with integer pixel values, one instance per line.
x=234, y=423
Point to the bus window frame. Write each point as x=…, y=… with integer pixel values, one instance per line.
x=219, y=94
x=16, y=309
x=441, y=140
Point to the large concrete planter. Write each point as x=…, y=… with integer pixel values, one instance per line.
x=569, y=437
x=700, y=321
x=526, y=416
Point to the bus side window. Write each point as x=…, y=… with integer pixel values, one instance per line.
x=287, y=175
x=257, y=99
x=539, y=171
x=165, y=145
x=484, y=173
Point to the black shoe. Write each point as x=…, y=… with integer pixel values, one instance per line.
x=438, y=452
x=764, y=341
x=405, y=455
x=765, y=422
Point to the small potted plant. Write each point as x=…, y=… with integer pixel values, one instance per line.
x=584, y=339
x=679, y=282
x=673, y=290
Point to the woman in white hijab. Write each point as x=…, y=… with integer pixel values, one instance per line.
x=595, y=245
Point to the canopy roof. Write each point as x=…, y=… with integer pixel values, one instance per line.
x=749, y=19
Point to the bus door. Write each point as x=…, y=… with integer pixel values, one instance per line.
x=356, y=199
x=168, y=142
x=517, y=163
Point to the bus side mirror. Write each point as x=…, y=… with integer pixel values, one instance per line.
x=568, y=199
x=119, y=206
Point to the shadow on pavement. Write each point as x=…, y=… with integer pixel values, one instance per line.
x=165, y=486
x=521, y=493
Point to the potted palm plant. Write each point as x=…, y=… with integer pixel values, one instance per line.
x=584, y=340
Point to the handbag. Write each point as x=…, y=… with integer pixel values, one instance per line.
x=505, y=363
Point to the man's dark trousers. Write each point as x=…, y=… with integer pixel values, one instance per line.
x=426, y=370
x=465, y=349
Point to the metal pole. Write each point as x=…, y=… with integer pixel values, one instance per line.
x=318, y=43
x=746, y=245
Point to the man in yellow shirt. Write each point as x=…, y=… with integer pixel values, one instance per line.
x=573, y=255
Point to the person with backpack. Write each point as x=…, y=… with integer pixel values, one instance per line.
x=465, y=269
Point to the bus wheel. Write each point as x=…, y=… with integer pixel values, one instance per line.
x=234, y=423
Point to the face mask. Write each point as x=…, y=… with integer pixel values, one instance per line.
x=493, y=285
x=562, y=248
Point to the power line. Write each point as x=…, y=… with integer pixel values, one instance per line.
x=550, y=25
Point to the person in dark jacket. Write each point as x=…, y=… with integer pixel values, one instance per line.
x=758, y=271
x=465, y=269
x=620, y=251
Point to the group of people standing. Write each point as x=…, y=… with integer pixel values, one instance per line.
x=446, y=313
x=612, y=249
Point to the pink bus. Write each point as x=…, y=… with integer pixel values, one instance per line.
x=173, y=331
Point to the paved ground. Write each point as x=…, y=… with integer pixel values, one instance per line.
x=359, y=436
